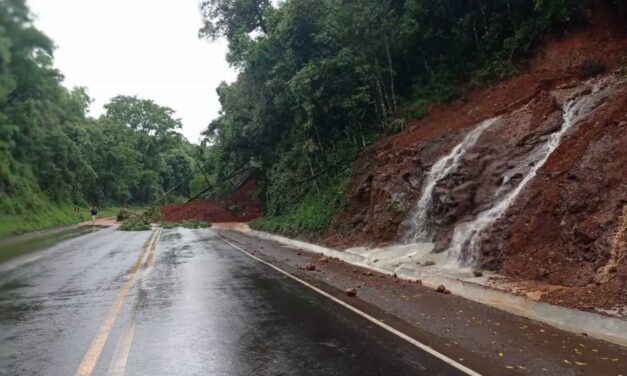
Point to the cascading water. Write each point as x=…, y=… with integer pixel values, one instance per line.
x=418, y=222
x=466, y=237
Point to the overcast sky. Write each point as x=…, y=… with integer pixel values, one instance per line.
x=147, y=48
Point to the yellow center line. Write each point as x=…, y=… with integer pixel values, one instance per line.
x=95, y=349
x=122, y=350
x=123, y=347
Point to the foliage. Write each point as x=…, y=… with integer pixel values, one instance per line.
x=52, y=154
x=320, y=79
x=135, y=224
x=152, y=213
x=313, y=213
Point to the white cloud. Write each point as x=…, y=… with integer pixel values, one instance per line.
x=147, y=48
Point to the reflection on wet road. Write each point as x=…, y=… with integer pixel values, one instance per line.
x=195, y=306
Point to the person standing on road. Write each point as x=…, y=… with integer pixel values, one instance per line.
x=94, y=213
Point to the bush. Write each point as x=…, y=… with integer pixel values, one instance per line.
x=135, y=225
x=153, y=213
x=120, y=216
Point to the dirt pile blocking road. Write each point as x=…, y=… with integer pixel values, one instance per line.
x=240, y=206
x=562, y=227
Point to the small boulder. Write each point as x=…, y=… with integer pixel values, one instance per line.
x=323, y=260
x=351, y=291
x=477, y=273
x=310, y=266
x=442, y=289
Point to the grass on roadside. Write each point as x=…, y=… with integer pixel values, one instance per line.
x=46, y=217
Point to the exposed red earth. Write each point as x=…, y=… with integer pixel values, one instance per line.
x=565, y=227
x=239, y=206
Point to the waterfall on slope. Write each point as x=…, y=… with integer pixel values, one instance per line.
x=465, y=244
x=418, y=221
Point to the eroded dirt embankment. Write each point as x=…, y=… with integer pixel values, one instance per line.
x=564, y=227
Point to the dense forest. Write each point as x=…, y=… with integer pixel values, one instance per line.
x=319, y=80
x=54, y=157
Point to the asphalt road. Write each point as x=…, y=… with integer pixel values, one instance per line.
x=181, y=302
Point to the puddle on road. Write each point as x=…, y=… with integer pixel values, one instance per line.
x=12, y=248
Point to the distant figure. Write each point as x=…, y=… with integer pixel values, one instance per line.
x=94, y=213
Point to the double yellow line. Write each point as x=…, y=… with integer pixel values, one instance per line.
x=95, y=349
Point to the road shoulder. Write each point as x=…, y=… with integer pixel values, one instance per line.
x=481, y=337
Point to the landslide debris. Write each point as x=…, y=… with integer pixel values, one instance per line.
x=239, y=206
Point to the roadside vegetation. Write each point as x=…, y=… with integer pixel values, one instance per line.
x=54, y=157
x=312, y=213
x=135, y=224
x=319, y=80
x=48, y=216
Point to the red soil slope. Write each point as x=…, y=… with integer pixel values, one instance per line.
x=239, y=206
x=563, y=228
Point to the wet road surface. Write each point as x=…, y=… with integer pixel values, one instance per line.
x=486, y=339
x=114, y=303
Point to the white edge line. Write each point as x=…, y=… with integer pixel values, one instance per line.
x=390, y=329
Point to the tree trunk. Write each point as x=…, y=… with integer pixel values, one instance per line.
x=381, y=85
x=391, y=68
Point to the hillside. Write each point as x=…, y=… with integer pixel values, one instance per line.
x=526, y=178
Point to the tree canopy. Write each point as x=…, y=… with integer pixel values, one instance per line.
x=52, y=152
